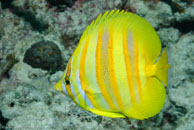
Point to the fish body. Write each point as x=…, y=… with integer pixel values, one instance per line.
x=114, y=70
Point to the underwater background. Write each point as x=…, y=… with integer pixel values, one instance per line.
x=37, y=38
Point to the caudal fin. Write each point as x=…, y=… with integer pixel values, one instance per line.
x=162, y=68
x=154, y=93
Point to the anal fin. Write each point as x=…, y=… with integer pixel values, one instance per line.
x=151, y=103
x=106, y=113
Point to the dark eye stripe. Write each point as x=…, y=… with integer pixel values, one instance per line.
x=67, y=82
x=68, y=71
x=67, y=79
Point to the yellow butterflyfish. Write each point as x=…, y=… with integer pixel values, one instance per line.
x=115, y=70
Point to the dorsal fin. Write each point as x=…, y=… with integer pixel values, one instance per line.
x=100, y=20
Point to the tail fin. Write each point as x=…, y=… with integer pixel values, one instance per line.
x=153, y=96
x=162, y=68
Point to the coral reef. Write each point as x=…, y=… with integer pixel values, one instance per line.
x=28, y=99
x=2, y=25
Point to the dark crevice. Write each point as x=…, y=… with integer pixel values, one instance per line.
x=179, y=109
x=3, y=121
x=173, y=113
x=6, y=3
x=184, y=26
x=169, y=117
x=61, y=4
x=124, y=2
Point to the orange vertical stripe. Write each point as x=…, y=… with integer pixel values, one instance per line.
x=68, y=70
x=128, y=67
x=82, y=73
x=113, y=79
x=99, y=71
x=82, y=63
x=137, y=74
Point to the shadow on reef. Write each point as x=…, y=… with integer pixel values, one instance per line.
x=61, y=4
x=3, y=121
x=184, y=26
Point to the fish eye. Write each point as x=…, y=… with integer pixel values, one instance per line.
x=67, y=82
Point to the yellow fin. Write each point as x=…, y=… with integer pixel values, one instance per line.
x=58, y=86
x=162, y=68
x=100, y=20
x=152, y=101
x=106, y=113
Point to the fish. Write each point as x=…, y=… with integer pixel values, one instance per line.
x=118, y=68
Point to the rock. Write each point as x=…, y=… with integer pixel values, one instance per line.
x=19, y=72
x=2, y=25
x=187, y=123
x=185, y=10
x=168, y=35
x=181, y=80
x=16, y=100
x=24, y=73
x=45, y=55
x=39, y=117
x=180, y=57
x=157, y=14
